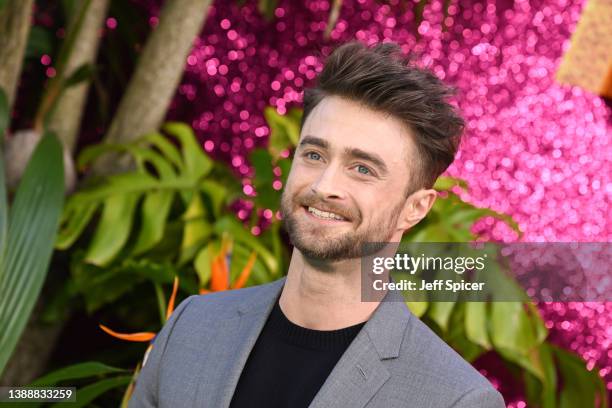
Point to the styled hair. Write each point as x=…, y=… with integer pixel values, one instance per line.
x=383, y=79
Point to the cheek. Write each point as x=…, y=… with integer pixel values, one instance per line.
x=378, y=208
x=301, y=175
x=297, y=181
x=368, y=205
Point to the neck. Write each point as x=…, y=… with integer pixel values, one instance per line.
x=323, y=295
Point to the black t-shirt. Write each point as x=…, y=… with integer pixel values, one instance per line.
x=289, y=363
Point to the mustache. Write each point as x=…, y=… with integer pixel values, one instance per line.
x=312, y=200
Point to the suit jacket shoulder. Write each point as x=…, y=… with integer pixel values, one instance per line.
x=204, y=339
x=395, y=360
x=429, y=373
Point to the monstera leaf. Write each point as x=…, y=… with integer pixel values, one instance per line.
x=164, y=173
x=154, y=221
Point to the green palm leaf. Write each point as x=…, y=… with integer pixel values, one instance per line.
x=32, y=225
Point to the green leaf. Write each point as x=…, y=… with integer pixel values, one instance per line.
x=55, y=85
x=141, y=155
x=580, y=386
x=75, y=372
x=203, y=263
x=58, y=306
x=74, y=220
x=113, y=229
x=166, y=147
x=285, y=165
x=240, y=256
x=533, y=388
x=82, y=205
x=266, y=8
x=417, y=308
x=81, y=74
x=268, y=197
x=538, y=362
x=128, y=183
x=432, y=233
x=100, y=286
x=90, y=153
x=541, y=332
x=216, y=193
x=514, y=334
x=284, y=130
x=295, y=117
x=456, y=336
x=464, y=217
x=68, y=8
x=511, y=327
x=197, y=229
x=440, y=313
x=447, y=183
x=163, y=168
x=33, y=222
x=197, y=163
x=5, y=114
x=276, y=243
x=88, y=393
x=154, y=213
x=262, y=163
x=230, y=225
x=3, y=198
x=73, y=32
x=40, y=41
x=476, y=323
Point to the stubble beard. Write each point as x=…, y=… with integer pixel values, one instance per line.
x=323, y=242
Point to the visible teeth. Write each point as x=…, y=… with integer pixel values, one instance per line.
x=325, y=214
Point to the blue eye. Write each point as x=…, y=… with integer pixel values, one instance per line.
x=313, y=155
x=363, y=169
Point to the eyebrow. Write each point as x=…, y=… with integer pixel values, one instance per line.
x=316, y=141
x=350, y=152
x=366, y=156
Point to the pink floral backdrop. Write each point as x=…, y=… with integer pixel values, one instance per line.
x=533, y=148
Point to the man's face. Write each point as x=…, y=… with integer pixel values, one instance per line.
x=348, y=181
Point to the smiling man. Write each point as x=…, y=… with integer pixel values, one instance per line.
x=376, y=133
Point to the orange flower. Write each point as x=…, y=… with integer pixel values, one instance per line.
x=220, y=276
x=145, y=336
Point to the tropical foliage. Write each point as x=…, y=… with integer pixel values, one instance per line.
x=27, y=232
x=167, y=217
x=128, y=233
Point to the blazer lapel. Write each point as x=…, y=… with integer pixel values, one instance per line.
x=234, y=342
x=360, y=372
x=356, y=378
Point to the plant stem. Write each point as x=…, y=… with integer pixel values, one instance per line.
x=161, y=302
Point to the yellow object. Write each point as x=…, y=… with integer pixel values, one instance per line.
x=588, y=61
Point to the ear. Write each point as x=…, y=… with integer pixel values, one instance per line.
x=416, y=208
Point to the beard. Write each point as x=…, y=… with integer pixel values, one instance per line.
x=327, y=242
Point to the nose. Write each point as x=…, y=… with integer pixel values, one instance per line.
x=328, y=185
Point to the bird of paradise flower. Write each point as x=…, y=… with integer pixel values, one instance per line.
x=142, y=337
x=219, y=281
x=220, y=267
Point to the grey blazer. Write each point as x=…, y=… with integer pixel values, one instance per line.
x=395, y=360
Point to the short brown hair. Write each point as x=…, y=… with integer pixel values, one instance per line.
x=383, y=79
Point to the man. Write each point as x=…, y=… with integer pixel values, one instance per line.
x=376, y=133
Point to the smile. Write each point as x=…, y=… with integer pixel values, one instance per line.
x=324, y=215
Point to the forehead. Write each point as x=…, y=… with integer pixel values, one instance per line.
x=347, y=124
